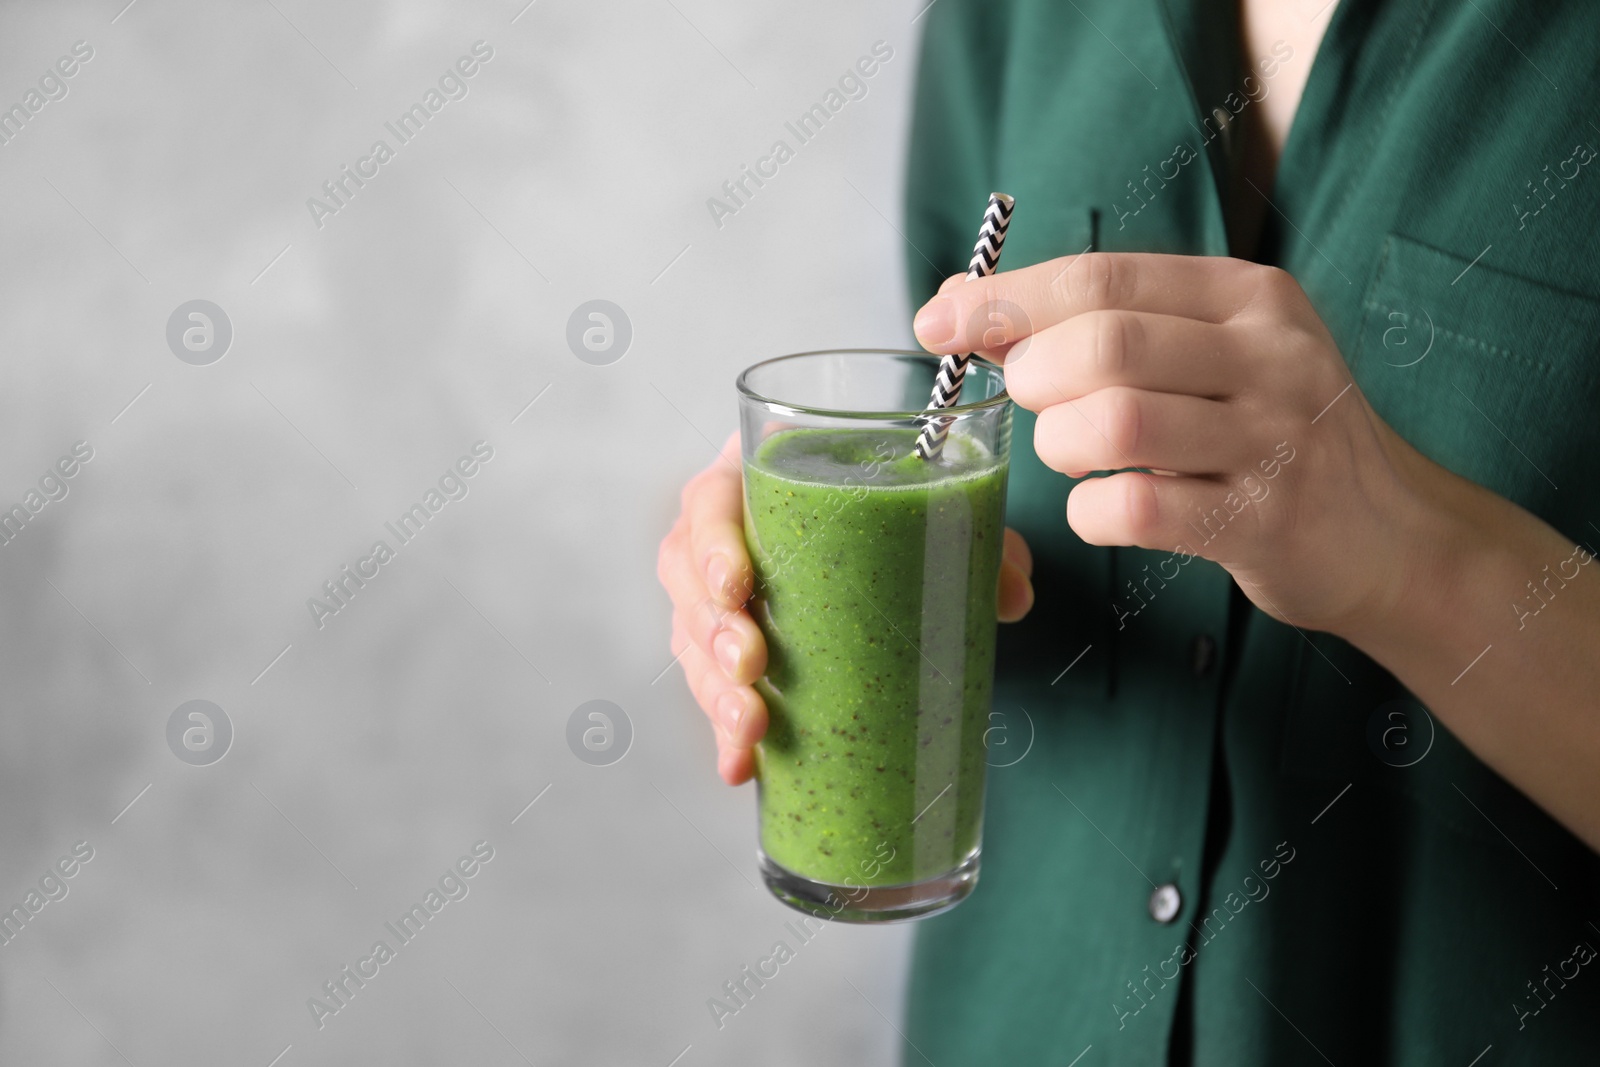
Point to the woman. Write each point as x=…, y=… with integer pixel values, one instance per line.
x=1315, y=706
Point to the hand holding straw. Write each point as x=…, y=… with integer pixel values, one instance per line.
x=953, y=368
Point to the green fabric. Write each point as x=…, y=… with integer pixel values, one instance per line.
x=1401, y=925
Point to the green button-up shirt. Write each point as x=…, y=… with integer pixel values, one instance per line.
x=1212, y=839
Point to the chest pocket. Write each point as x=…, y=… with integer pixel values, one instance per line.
x=1493, y=376
x=1488, y=374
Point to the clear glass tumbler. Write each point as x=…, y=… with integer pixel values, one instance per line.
x=876, y=578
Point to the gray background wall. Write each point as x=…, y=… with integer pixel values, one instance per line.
x=367, y=355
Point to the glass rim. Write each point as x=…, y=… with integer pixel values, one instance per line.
x=746, y=391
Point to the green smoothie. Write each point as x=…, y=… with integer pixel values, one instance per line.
x=876, y=577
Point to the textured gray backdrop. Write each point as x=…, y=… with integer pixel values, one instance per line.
x=371, y=347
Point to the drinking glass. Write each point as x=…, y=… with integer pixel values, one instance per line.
x=876, y=581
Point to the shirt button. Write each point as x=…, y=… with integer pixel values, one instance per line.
x=1165, y=903
x=1202, y=653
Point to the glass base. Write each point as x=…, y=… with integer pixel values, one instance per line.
x=871, y=904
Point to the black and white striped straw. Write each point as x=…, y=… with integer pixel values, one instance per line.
x=953, y=368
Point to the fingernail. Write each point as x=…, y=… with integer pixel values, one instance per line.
x=731, y=710
x=719, y=576
x=729, y=651
x=936, y=322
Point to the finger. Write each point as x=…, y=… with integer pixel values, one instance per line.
x=674, y=570
x=730, y=636
x=732, y=708
x=1016, y=551
x=1197, y=516
x=693, y=610
x=1116, y=428
x=736, y=765
x=739, y=649
x=737, y=713
x=713, y=505
x=1099, y=349
x=985, y=329
x=1207, y=288
x=1016, y=592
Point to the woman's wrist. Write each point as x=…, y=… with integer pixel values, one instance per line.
x=1441, y=554
x=1461, y=557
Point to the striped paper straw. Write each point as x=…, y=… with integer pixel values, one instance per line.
x=953, y=369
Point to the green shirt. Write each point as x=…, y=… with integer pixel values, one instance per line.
x=1353, y=886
